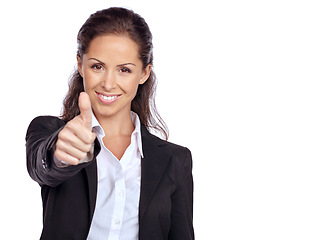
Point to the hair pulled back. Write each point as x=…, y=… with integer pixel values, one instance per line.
x=122, y=22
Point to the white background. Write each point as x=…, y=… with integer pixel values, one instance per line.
x=236, y=86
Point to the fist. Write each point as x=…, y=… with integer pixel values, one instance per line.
x=76, y=139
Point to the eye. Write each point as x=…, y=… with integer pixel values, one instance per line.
x=97, y=67
x=125, y=70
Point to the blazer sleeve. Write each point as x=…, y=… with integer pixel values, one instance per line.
x=182, y=202
x=41, y=138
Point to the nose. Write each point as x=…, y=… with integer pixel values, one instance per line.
x=108, y=81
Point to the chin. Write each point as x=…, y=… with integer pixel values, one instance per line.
x=110, y=111
x=103, y=112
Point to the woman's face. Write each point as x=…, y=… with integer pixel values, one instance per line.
x=112, y=71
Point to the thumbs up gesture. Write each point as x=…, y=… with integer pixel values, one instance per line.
x=76, y=139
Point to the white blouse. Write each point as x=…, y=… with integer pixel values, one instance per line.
x=118, y=189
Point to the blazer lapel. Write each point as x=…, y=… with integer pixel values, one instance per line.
x=153, y=165
x=91, y=174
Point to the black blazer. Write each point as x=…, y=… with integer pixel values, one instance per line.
x=69, y=194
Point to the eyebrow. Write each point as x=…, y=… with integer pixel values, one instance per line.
x=120, y=65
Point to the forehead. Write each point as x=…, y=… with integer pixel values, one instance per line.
x=113, y=47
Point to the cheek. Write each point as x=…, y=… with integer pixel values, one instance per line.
x=130, y=86
x=90, y=80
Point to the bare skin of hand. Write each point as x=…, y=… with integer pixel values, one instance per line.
x=76, y=139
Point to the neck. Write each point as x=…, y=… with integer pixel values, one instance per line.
x=116, y=125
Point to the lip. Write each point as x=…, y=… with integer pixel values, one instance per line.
x=107, y=98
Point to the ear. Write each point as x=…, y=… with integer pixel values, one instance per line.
x=146, y=73
x=79, y=65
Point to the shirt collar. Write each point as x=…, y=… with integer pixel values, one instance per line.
x=137, y=132
x=97, y=128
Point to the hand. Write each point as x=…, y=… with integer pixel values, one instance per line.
x=76, y=139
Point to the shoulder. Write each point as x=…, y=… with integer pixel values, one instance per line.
x=45, y=123
x=165, y=146
x=173, y=148
x=47, y=120
x=177, y=158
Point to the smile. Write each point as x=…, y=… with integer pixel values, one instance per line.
x=107, y=98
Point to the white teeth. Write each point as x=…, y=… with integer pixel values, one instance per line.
x=108, y=98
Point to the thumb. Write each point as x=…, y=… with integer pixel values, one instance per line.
x=85, y=109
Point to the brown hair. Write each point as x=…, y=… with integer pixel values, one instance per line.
x=119, y=21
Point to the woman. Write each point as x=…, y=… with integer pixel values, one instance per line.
x=102, y=174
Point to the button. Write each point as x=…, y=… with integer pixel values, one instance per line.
x=44, y=163
x=117, y=221
x=121, y=193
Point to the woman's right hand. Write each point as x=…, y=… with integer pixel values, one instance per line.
x=76, y=139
